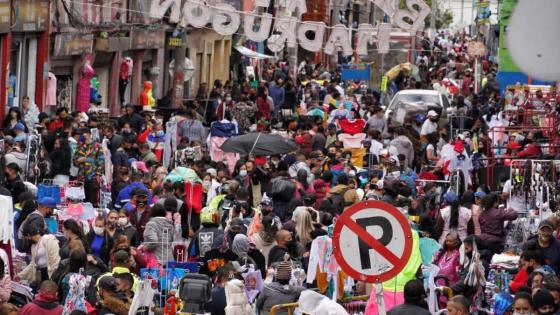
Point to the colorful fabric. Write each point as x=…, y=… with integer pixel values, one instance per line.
x=95, y=162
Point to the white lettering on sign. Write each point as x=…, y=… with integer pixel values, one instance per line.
x=288, y=27
x=367, y=34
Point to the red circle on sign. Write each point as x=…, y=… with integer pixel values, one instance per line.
x=346, y=216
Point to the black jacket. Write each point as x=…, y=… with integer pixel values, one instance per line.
x=61, y=159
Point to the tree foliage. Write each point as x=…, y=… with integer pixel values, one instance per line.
x=444, y=18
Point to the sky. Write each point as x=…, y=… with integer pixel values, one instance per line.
x=468, y=13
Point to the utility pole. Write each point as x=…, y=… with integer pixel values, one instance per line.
x=462, y=12
x=179, y=55
x=433, y=17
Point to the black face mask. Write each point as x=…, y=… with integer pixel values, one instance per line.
x=140, y=204
x=48, y=215
x=530, y=270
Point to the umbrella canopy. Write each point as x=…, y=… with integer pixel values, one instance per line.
x=259, y=144
x=181, y=173
x=316, y=112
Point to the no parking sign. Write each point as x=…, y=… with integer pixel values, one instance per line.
x=372, y=241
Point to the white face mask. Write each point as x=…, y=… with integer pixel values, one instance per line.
x=228, y=99
x=123, y=221
x=207, y=184
x=98, y=230
x=243, y=173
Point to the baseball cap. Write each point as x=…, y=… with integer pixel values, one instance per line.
x=19, y=126
x=451, y=197
x=479, y=194
x=432, y=113
x=394, y=160
x=212, y=172
x=545, y=223
x=121, y=256
x=47, y=202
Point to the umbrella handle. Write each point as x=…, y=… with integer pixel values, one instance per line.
x=255, y=144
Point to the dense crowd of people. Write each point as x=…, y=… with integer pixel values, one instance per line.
x=260, y=226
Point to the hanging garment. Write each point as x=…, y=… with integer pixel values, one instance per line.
x=75, y=193
x=143, y=299
x=76, y=297
x=75, y=210
x=83, y=92
x=358, y=155
x=351, y=141
x=193, y=196
x=216, y=153
x=50, y=97
x=170, y=144
x=352, y=127
x=6, y=219
x=52, y=191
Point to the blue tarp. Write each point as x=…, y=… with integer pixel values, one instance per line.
x=356, y=72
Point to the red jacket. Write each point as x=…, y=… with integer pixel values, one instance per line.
x=532, y=150
x=42, y=304
x=520, y=280
x=264, y=109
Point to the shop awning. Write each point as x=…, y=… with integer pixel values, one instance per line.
x=252, y=54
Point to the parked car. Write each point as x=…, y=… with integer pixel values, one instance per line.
x=410, y=103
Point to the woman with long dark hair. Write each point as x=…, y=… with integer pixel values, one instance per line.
x=492, y=218
x=73, y=232
x=453, y=218
x=61, y=158
x=13, y=117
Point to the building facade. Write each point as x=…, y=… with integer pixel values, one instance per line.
x=49, y=47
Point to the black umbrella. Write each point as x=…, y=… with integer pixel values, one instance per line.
x=259, y=144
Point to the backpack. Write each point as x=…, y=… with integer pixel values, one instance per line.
x=225, y=206
x=337, y=202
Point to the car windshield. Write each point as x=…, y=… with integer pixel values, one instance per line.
x=417, y=98
x=408, y=106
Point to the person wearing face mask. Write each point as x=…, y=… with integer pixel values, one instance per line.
x=155, y=233
x=99, y=240
x=45, y=256
x=13, y=181
x=431, y=124
x=140, y=211
x=89, y=159
x=531, y=261
x=522, y=304
x=546, y=244
x=125, y=228
x=156, y=140
x=112, y=226
x=210, y=184
x=543, y=303
x=110, y=300
x=35, y=221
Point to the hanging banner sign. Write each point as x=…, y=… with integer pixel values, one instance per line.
x=288, y=29
x=30, y=15
x=4, y=16
x=147, y=39
x=73, y=44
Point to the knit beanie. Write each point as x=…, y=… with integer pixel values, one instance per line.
x=284, y=270
x=542, y=298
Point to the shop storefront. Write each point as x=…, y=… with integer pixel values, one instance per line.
x=67, y=62
x=31, y=17
x=147, y=53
